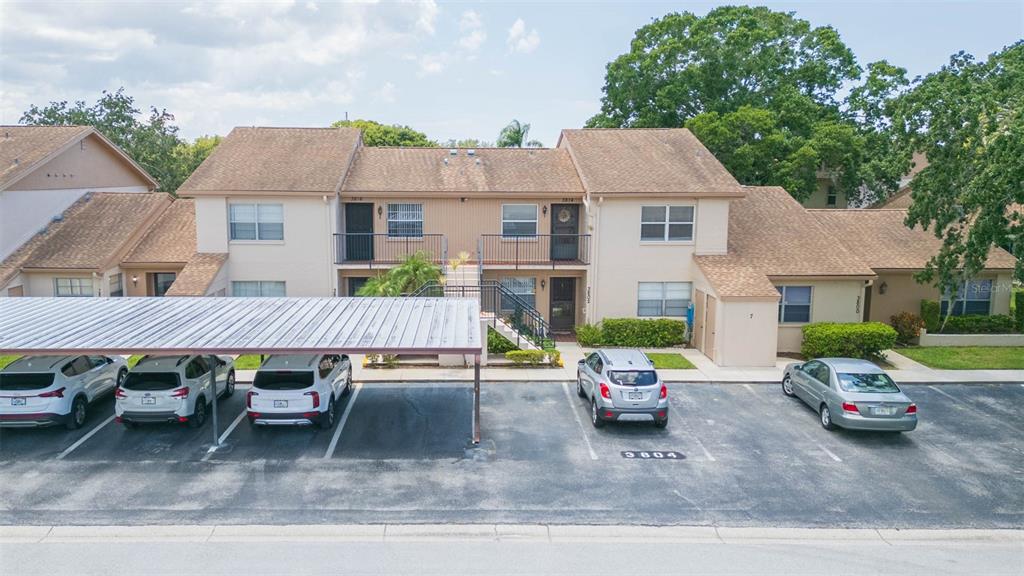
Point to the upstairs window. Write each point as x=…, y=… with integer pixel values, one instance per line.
x=257, y=288
x=518, y=219
x=117, y=284
x=666, y=223
x=831, y=198
x=256, y=221
x=405, y=220
x=72, y=287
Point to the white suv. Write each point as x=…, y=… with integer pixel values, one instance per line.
x=171, y=389
x=45, y=390
x=299, y=389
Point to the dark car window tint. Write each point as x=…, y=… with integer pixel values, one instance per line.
x=283, y=380
x=152, y=381
x=25, y=381
x=634, y=377
x=867, y=383
x=327, y=365
x=79, y=365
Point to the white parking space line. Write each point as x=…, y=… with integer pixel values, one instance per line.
x=953, y=398
x=703, y=449
x=225, y=435
x=341, y=424
x=82, y=440
x=579, y=422
x=829, y=452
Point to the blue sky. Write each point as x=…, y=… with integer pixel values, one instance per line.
x=452, y=70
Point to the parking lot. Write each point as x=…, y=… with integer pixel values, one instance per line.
x=741, y=455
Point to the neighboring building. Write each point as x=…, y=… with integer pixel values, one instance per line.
x=45, y=169
x=827, y=194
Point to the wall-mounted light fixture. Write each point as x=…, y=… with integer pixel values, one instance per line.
x=380, y=210
x=542, y=283
x=883, y=288
x=544, y=209
x=135, y=280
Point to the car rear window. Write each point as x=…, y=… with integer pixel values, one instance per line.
x=25, y=381
x=152, y=381
x=867, y=383
x=634, y=377
x=283, y=379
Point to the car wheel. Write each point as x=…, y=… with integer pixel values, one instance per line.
x=199, y=416
x=229, y=388
x=327, y=419
x=595, y=418
x=663, y=423
x=77, y=416
x=130, y=425
x=787, y=386
x=826, y=417
x=348, y=386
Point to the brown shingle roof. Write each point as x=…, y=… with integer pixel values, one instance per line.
x=276, y=160
x=198, y=274
x=171, y=239
x=23, y=147
x=733, y=277
x=880, y=238
x=779, y=237
x=488, y=170
x=658, y=161
x=88, y=234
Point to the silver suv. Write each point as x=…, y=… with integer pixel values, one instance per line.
x=622, y=386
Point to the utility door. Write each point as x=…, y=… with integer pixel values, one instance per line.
x=710, y=324
x=565, y=229
x=358, y=231
x=698, y=320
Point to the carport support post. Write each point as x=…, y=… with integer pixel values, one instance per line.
x=476, y=398
x=213, y=387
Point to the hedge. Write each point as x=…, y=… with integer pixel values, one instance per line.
x=847, y=340
x=633, y=332
x=535, y=357
x=1018, y=313
x=930, y=313
x=978, y=324
x=498, y=344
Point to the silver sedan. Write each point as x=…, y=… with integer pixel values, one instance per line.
x=850, y=393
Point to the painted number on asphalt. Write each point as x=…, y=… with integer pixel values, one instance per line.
x=653, y=455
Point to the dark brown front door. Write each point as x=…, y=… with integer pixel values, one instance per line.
x=358, y=231
x=565, y=229
x=563, y=304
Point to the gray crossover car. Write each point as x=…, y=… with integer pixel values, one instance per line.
x=623, y=386
x=850, y=393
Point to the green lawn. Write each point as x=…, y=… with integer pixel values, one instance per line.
x=5, y=360
x=247, y=362
x=670, y=361
x=968, y=357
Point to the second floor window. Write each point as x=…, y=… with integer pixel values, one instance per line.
x=794, y=304
x=117, y=284
x=257, y=288
x=666, y=223
x=405, y=220
x=256, y=221
x=518, y=219
x=831, y=198
x=72, y=287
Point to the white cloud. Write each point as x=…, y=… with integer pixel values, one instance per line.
x=431, y=64
x=472, y=27
x=470, y=20
x=386, y=93
x=519, y=40
x=427, y=16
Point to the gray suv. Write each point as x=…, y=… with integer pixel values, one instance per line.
x=622, y=386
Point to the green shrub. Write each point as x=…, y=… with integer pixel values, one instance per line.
x=908, y=326
x=498, y=344
x=588, y=334
x=1018, y=313
x=977, y=324
x=641, y=333
x=853, y=340
x=930, y=315
x=527, y=357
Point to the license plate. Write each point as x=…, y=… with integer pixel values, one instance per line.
x=17, y=401
x=885, y=410
x=280, y=403
x=148, y=400
x=635, y=395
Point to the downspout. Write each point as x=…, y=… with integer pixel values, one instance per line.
x=332, y=276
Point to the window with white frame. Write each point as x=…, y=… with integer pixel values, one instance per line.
x=518, y=219
x=256, y=221
x=666, y=223
x=523, y=287
x=264, y=288
x=663, y=298
x=973, y=297
x=405, y=220
x=72, y=287
x=794, y=304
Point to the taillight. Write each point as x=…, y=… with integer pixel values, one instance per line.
x=119, y=393
x=605, y=392
x=180, y=393
x=850, y=407
x=58, y=393
x=664, y=392
x=912, y=409
x=316, y=398
x=248, y=398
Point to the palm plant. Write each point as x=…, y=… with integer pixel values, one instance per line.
x=515, y=136
x=415, y=271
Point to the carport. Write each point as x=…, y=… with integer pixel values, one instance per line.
x=211, y=326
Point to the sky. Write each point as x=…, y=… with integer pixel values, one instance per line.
x=449, y=69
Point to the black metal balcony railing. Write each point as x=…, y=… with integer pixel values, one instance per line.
x=539, y=249
x=382, y=249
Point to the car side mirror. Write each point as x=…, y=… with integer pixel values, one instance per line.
x=799, y=367
x=344, y=358
x=581, y=362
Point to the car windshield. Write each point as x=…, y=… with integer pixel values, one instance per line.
x=25, y=381
x=867, y=383
x=634, y=377
x=151, y=381
x=283, y=379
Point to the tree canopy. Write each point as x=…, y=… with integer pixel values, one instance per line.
x=377, y=134
x=516, y=135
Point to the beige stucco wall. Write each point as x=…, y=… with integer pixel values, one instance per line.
x=819, y=198
x=904, y=294
x=831, y=301
x=89, y=164
x=747, y=333
x=711, y=236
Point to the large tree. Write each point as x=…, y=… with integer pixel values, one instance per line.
x=188, y=157
x=516, y=135
x=968, y=120
x=377, y=134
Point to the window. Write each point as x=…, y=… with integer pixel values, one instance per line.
x=818, y=371
x=162, y=282
x=973, y=297
x=327, y=364
x=196, y=368
x=524, y=288
x=117, y=285
x=795, y=304
x=256, y=221
x=663, y=298
x=257, y=288
x=72, y=286
x=76, y=367
x=405, y=220
x=518, y=219
x=666, y=223
x=830, y=198
x=880, y=383
x=355, y=284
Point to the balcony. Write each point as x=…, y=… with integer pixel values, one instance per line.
x=382, y=250
x=545, y=250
